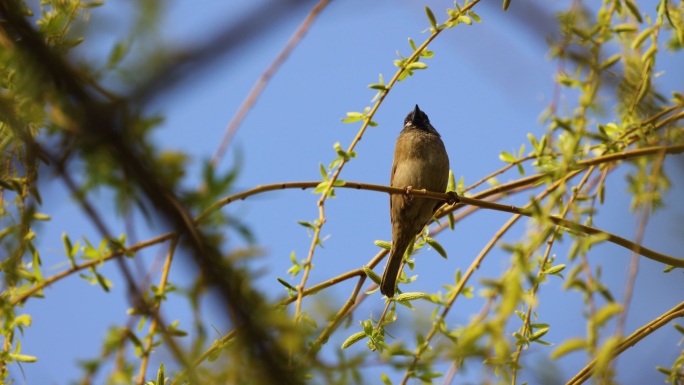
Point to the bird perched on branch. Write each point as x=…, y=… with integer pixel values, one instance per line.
x=420, y=162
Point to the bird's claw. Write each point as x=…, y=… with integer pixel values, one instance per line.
x=407, y=193
x=453, y=198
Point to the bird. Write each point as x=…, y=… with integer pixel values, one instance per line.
x=420, y=162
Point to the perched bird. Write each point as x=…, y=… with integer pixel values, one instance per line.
x=420, y=162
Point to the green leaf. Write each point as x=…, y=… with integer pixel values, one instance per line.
x=118, y=53
x=93, y=4
x=539, y=334
x=650, y=52
x=474, y=16
x=320, y=188
x=69, y=248
x=383, y=244
x=679, y=328
x=632, y=7
x=464, y=20
x=416, y=66
x=134, y=339
x=161, y=378
x=555, y=269
x=435, y=245
x=506, y=4
x=605, y=313
x=72, y=42
x=41, y=217
x=605, y=354
x=287, y=285
x=611, y=61
x=431, y=18
x=23, y=358
x=371, y=274
x=506, y=157
x=641, y=37
x=643, y=90
x=104, y=282
x=354, y=338
x=308, y=225
x=353, y=117
x=569, y=346
x=413, y=296
x=451, y=185
x=626, y=27
x=665, y=371
x=323, y=171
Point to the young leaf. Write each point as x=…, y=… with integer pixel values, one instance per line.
x=161, y=378
x=417, y=66
x=569, y=346
x=506, y=157
x=383, y=244
x=354, y=338
x=287, y=285
x=634, y=10
x=431, y=17
x=323, y=171
x=435, y=245
x=371, y=274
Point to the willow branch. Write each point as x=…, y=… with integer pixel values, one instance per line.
x=542, y=266
x=633, y=339
x=258, y=87
x=24, y=295
x=154, y=325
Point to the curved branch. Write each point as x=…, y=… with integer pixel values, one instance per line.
x=50, y=280
x=633, y=339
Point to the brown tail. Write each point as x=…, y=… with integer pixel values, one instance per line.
x=389, y=277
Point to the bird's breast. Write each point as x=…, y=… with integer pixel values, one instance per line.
x=420, y=161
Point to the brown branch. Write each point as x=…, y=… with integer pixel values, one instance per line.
x=23, y=296
x=633, y=339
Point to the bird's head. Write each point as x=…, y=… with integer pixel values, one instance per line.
x=418, y=119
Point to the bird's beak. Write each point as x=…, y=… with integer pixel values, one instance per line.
x=415, y=114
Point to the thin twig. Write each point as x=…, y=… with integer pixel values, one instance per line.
x=154, y=325
x=634, y=264
x=323, y=337
x=258, y=87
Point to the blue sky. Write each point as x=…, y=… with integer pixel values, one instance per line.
x=484, y=91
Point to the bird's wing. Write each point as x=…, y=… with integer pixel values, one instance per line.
x=394, y=169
